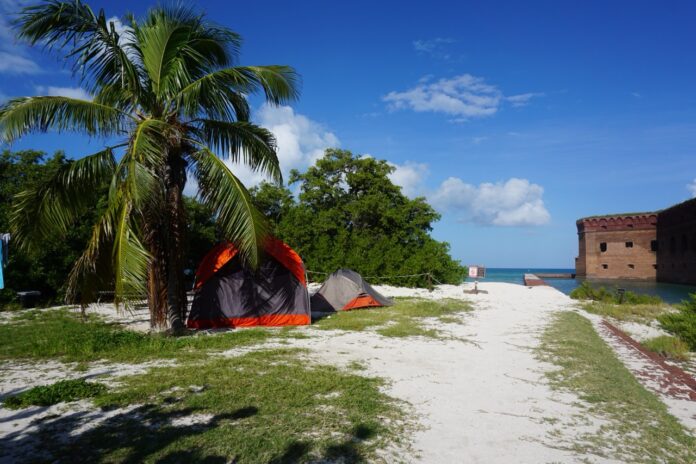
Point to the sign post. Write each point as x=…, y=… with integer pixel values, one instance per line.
x=477, y=272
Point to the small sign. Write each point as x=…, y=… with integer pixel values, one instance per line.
x=477, y=272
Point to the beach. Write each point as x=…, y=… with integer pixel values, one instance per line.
x=480, y=394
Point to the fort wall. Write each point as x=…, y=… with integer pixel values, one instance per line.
x=617, y=247
x=643, y=246
x=676, y=236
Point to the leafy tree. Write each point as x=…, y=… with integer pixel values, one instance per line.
x=349, y=214
x=166, y=91
x=45, y=267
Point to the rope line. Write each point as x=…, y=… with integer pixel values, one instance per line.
x=385, y=277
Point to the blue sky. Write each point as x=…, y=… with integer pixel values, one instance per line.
x=513, y=118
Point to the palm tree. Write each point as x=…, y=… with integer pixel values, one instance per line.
x=168, y=93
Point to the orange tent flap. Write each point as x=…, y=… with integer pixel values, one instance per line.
x=223, y=252
x=361, y=301
x=287, y=257
x=271, y=320
x=220, y=255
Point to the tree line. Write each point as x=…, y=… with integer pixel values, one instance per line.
x=342, y=212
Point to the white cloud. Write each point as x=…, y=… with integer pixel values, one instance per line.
x=70, y=92
x=409, y=176
x=692, y=188
x=301, y=141
x=13, y=56
x=434, y=47
x=13, y=63
x=523, y=98
x=463, y=97
x=515, y=202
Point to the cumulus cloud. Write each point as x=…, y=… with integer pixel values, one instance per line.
x=70, y=92
x=463, y=97
x=410, y=177
x=515, y=202
x=692, y=188
x=301, y=141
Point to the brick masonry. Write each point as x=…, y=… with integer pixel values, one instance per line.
x=642, y=246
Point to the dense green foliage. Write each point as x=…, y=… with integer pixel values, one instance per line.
x=682, y=323
x=46, y=268
x=587, y=292
x=58, y=392
x=350, y=215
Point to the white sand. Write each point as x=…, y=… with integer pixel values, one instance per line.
x=484, y=399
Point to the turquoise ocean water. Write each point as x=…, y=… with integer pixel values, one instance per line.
x=670, y=293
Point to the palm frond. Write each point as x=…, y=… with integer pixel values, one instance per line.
x=130, y=260
x=21, y=116
x=238, y=219
x=242, y=142
x=280, y=84
x=50, y=209
x=90, y=39
x=93, y=270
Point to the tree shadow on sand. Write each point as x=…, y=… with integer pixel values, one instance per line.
x=144, y=433
x=133, y=436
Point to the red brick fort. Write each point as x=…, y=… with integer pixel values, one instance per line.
x=657, y=245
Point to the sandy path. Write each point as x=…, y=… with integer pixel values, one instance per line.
x=479, y=402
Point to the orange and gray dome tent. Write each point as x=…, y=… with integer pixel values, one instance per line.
x=345, y=290
x=228, y=294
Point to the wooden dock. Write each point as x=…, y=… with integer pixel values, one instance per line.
x=532, y=280
x=551, y=275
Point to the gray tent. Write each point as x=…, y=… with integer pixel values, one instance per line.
x=345, y=290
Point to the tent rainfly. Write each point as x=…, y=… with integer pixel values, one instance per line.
x=345, y=290
x=227, y=294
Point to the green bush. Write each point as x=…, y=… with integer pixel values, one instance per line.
x=587, y=292
x=666, y=345
x=59, y=392
x=682, y=323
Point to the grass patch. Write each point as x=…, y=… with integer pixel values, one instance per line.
x=58, y=392
x=587, y=292
x=404, y=319
x=627, y=312
x=639, y=428
x=61, y=334
x=682, y=323
x=672, y=347
x=268, y=406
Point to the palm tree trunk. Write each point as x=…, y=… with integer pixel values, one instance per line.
x=175, y=179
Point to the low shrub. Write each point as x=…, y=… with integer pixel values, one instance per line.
x=59, y=392
x=587, y=292
x=683, y=322
x=672, y=347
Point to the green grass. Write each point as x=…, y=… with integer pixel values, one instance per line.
x=404, y=319
x=268, y=406
x=588, y=292
x=682, y=323
x=627, y=312
x=669, y=346
x=62, y=334
x=639, y=428
x=58, y=392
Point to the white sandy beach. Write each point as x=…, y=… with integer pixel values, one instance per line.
x=480, y=396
